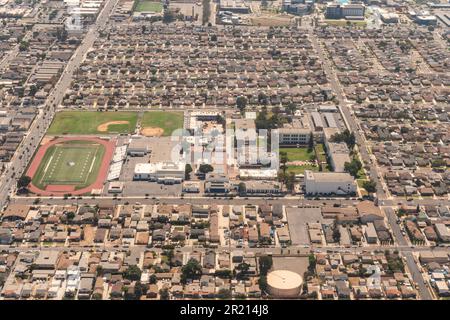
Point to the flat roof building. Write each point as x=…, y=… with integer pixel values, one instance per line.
x=329, y=183
x=163, y=172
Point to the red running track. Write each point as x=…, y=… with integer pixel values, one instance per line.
x=59, y=190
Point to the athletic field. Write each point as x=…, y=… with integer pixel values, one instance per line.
x=75, y=163
x=161, y=123
x=145, y=6
x=92, y=122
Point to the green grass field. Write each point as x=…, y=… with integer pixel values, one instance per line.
x=343, y=23
x=299, y=154
x=76, y=163
x=87, y=122
x=144, y=5
x=301, y=169
x=168, y=121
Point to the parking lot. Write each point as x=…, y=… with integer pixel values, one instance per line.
x=295, y=264
x=298, y=219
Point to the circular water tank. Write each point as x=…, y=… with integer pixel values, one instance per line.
x=284, y=283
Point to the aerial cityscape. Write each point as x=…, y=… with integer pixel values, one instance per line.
x=224, y=150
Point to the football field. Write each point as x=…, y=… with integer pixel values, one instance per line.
x=73, y=163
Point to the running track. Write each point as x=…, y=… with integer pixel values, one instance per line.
x=58, y=190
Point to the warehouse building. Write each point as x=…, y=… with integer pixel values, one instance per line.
x=327, y=183
x=442, y=232
x=138, y=148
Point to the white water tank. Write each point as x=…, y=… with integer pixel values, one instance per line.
x=284, y=283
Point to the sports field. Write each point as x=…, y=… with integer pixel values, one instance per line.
x=88, y=122
x=299, y=154
x=164, y=122
x=75, y=163
x=144, y=5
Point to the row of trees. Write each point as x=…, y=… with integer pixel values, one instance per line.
x=345, y=136
x=265, y=264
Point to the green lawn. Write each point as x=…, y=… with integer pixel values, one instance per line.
x=360, y=182
x=343, y=23
x=70, y=164
x=301, y=169
x=144, y=5
x=362, y=174
x=298, y=154
x=168, y=121
x=87, y=122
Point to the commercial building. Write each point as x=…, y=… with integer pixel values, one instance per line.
x=162, y=172
x=329, y=183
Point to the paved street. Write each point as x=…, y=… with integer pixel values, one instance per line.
x=37, y=130
x=349, y=119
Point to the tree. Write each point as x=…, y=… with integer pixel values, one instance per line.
x=262, y=283
x=281, y=177
x=283, y=160
x=265, y=263
x=187, y=171
x=241, y=103
x=370, y=186
x=191, y=270
x=164, y=294
x=312, y=262
x=205, y=168
x=224, y=293
x=96, y=296
x=290, y=182
x=23, y=182
x=99, y=271
x=133, y=273
x=345, y=136
x=336, y=234
x=168, y=16
x=70, y=215
x=262, y=98
x=224, y=274
x=152, y=279
x=291, y=107
x=242, y=189
x=206, y=11
x=23, y=45
x=311, y=142
x=353, y=167
x=61, y=34
x=243, y=269
x=139, y=290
